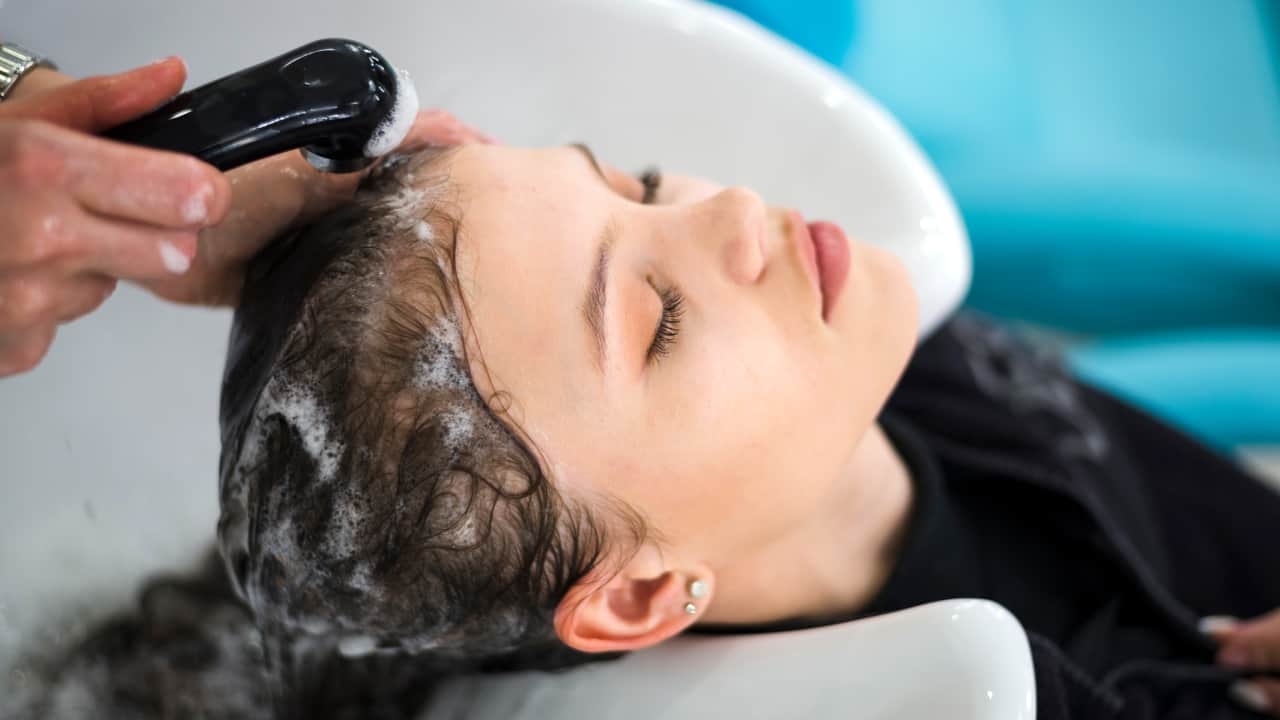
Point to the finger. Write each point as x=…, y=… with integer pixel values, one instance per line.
x=39, y=79
x=1271, y=690
x=67, y=238
x=277, y=192
x=140, y=184
x=36, y=299
x=130, y=182
x=98, y=103
x=1218, y=627
x=1252, y=644
x=1250, y=653
x=1266, y=624
x=130, y=251
x=201, y=286
x=438, y=127
x=84, y=295
x=149, y=186
x=20, y=352
x=27, y=300
x=1259, y=695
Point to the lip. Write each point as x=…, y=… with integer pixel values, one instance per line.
x=803, y=241
x=824, y=252
x=832, y=250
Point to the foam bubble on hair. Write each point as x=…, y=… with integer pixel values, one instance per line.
x=439, y=363
x=395, y=128
x=297, y=404
x=406, y=202
x=341, y=542
x=314, y=626
x=459, y=525
x=404, y=209
x=356, y=646
x=227, y=681
x=466, y=534
x=459, y=429
x=362, y=579
x=341, y=539
x=423, y=231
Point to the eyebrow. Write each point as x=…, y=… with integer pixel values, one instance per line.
x=593, y=306
x=591, y=158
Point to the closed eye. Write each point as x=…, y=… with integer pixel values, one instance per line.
x=664, y=336
x=668, y=329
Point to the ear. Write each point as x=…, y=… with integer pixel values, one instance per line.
x=640, y=606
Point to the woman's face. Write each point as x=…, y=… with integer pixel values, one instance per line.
x=733, y=428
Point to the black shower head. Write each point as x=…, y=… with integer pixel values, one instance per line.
x=339, y=101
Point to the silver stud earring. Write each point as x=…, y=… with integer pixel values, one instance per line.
x=698, y=589
x=690, y=609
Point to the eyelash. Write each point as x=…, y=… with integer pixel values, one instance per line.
x=651, y=179
x=668, y=325
x=672, y=301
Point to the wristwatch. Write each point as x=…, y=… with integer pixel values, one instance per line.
x=16, y=61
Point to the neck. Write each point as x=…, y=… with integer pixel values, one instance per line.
x=834, y=564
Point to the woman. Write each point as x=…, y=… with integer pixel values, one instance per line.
x=512, y=408
x=515, y=408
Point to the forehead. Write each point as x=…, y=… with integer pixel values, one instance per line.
x=527, y=221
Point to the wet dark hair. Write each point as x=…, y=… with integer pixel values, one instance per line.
x=372, y=500
x=190, y=649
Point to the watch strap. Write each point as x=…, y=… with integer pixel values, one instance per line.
x=16, y=61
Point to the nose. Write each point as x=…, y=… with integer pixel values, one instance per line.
x=732, y=224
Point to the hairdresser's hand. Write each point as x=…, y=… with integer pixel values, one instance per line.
x=273, y=195
x=1252, y=645
x=78, y=213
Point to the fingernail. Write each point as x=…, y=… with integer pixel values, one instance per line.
x=1213, y=624
x=196, y=208
x=1250, y=696
x=175, y=261
x=165, y=59
x=1234, y=656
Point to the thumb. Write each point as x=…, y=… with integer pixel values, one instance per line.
x=99, y=103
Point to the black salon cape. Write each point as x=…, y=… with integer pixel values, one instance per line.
x=1107, y=533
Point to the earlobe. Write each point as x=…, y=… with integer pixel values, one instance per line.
x=628, y=613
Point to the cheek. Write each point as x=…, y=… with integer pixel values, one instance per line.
x=753, y=438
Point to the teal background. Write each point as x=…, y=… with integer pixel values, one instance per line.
x=1117, y=165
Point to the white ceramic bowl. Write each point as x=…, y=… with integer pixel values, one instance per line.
x=954, y=659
